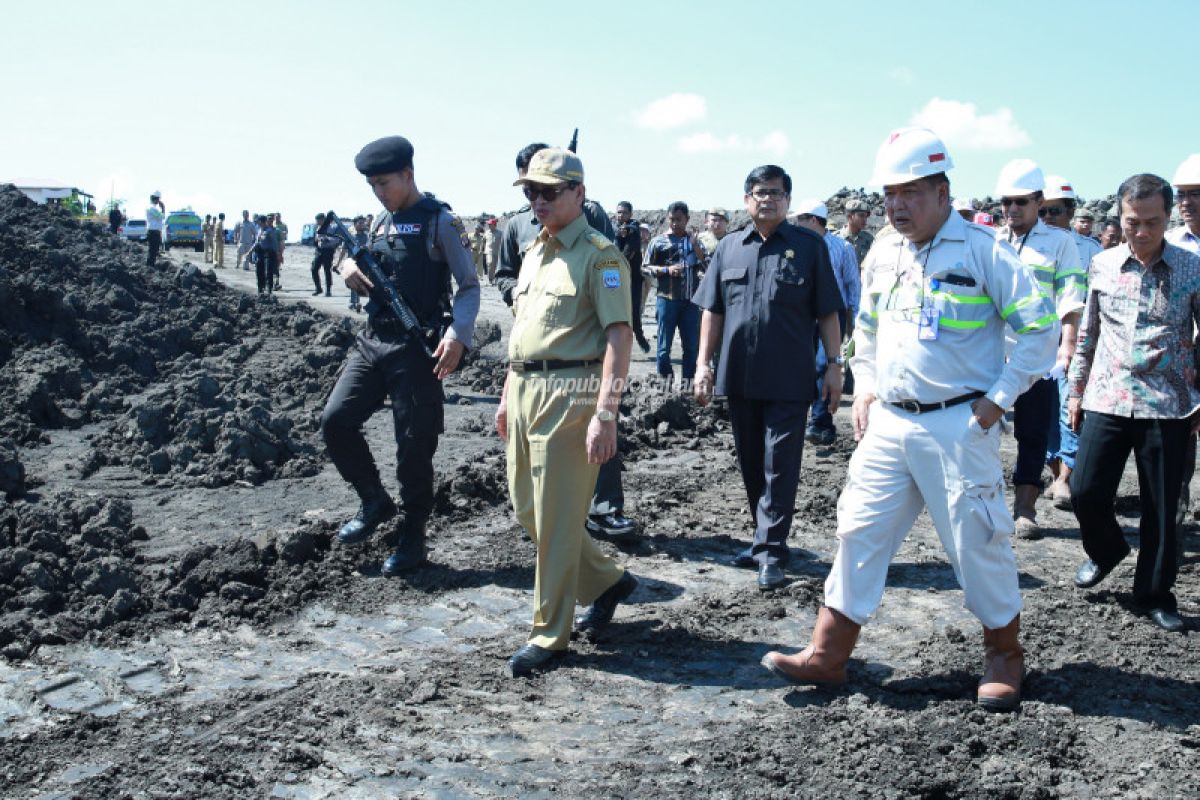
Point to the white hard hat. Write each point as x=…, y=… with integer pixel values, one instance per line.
x=1188, y=173
x=811, y=205
x=909, y=154
x=1058, y=188
x=156, y=194
x=1019, y=177
x=962, y=204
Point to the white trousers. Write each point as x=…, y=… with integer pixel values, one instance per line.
x=941, y=460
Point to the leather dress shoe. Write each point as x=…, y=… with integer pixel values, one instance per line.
x=1167, y=620
x=821, y=436
x=376, y=509
x=615, y=525
x=744, y=559
x=409, y=553
x=1090, y=573
x=531, y=658
x=600, y=612
x=771, y=576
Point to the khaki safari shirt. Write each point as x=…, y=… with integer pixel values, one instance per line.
x=572, y=286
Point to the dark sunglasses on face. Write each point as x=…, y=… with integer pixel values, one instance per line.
x=1020, y=202
x=548, y=193
x=1051, y=211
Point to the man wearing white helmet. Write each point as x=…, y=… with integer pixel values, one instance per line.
x=814, y=215
x=932, y=384
x=1053, y=258
x=1058, y=208
x=1187, y=236
x=156, y=216
x=965, y=208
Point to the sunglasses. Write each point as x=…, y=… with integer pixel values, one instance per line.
x=1051, y=211
x=547, y=193
x=1020, y=202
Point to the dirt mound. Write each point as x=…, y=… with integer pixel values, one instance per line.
x=655, y=418
x=12, y=471
x=206, y=383
x=473, y=488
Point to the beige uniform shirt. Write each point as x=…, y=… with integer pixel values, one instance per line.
x=572, y=287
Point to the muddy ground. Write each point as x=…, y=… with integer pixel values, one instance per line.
x=171, y=630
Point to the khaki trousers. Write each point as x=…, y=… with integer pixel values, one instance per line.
x=219, y=252
x=551, y=482
x=208, y=249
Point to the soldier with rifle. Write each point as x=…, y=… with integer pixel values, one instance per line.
x=415, y=337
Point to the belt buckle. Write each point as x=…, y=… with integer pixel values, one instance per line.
x=911, y=406
x=516, y=366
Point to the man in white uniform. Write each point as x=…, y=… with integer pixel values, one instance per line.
x=932, y=384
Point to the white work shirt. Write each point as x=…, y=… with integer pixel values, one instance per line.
x=976, y=286
x=1088, y=247
x=154, y=219
x=1183, y=237
x=1053, y=257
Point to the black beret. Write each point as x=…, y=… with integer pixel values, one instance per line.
x=389, y=154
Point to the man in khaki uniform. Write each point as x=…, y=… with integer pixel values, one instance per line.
x=218, y=238
x=855, y=231
x=477, y=250
x=568, y=360
x=208, y=238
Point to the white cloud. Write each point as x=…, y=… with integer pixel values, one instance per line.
x=774, y=143
x=672, y=111
x=961, y=125
x=902, y=76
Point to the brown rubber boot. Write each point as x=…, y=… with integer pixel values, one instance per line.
x=1003, y=668
x=824, y=660
x=1025, y=511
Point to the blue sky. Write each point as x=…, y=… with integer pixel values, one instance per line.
x=226, y=106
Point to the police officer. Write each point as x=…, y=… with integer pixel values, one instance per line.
x=568, y=360
x=219, y=240
x=933, y=383
x=156, y=216
x=768, y=285
x=1052, y=257
x=207, y=231
x=607, y=514
x=419, y=247
x=856, y=232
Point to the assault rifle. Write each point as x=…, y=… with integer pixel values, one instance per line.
x=382, y=292
x=574, y=141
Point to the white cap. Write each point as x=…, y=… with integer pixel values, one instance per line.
x=811, y=205
x=156, y=194
x=1019, y=177
x=909, y=154
x=1188, y=173
x=963, y=204
x=1058, y=188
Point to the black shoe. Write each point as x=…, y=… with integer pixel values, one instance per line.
x=822, y=436
x=1167, y=620
x=531, y=658
x=1090, y=573
x=376, y=509
x=744, y=559
x=641, y=341
x=600, y=613
x=328, y=293
x=615, y=525
x=410, y=552
x=771, y=576
x=317, y=292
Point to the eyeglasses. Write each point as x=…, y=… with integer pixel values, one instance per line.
x=548, y=193
x=767, y=194
x=1051, y=211
x=1187, y=194
x=1020, y=202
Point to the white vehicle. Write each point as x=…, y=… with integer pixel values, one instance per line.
x=134, y=230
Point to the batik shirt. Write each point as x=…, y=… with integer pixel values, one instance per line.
x=1136, y=353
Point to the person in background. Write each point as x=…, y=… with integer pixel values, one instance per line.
x=676, y=260
x=1110, y=234
x=1083, y=221
x=156, y=217
x=245, y=234
x=219, y=241
x=207, y=232
x=629, y=241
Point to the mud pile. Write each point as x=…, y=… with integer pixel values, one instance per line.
x=69, y=569
x=656, y=418
x=205, y=383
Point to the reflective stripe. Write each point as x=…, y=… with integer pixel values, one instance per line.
x=1024, y=301
x=970, y=299
x=1038, y=324
x=961, y=324
x=1067, y=272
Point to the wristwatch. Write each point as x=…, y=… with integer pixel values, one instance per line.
x=838, y=361
x=604, y=415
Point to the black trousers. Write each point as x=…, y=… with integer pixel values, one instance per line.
x=264, y=269
x=1158, y=446
x=769, y=438
x=154, y=241
x=375, y=370
x=1033, y=414
x=323, y=259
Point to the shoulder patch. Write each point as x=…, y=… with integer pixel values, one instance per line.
x=457, y=224
x=608, y=263
x=598, y=240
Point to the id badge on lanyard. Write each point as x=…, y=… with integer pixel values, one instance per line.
x=927, y=324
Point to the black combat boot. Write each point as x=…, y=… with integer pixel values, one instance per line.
x=410, y=550
x=377, y=507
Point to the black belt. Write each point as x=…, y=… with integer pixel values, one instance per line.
x=546, y=366
x=913, y=407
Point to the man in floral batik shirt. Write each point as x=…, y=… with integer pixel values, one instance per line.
x=1134, y=375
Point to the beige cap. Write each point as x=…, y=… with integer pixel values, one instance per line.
x=553, y=166
x=718, y=212
x=856, y=205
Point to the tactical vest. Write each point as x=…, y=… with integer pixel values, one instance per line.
x=400, y=242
